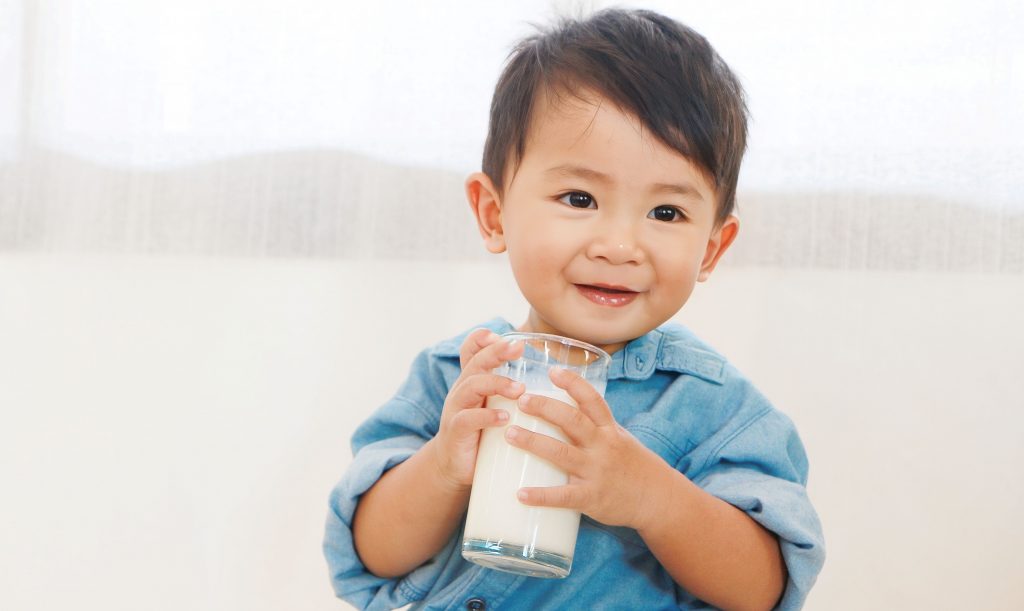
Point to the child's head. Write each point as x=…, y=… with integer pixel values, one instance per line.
x=610, y=171
x=652, y=67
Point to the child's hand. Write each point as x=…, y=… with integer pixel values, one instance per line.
x=464, y=415
x=609, y=469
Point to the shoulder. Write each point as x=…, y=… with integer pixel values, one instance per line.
x=721, y=409
x=417, y=404
x=436, y=367
x=680, y=350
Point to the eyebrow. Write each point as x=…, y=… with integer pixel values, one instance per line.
x=683, y=189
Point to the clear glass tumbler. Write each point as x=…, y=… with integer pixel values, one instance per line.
x=502, y=533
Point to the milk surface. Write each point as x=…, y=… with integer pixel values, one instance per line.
x=495, y=514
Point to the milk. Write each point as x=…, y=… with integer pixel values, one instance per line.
x=495, y=514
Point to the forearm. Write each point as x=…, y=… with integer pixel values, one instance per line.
x=712, y=549
x=407, y=516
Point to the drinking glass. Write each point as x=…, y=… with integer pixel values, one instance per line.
x=502, y=533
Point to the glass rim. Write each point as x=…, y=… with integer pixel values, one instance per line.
x=561, y=339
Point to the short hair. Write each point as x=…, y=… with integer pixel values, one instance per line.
x=650, y=66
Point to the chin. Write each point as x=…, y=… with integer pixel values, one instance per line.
x=606, y=338
x=607, y=329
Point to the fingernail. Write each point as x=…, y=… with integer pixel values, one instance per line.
x=521, y=494
x=512, y=432
x=523, y=400
x=517, y=387
x=492, y=336
x=502, y=415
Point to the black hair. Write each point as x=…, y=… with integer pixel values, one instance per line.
x=650, y=66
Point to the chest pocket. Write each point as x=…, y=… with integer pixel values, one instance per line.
x=661, y=436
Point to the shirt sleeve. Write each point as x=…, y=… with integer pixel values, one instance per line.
x=391, y=435
x=762, y=470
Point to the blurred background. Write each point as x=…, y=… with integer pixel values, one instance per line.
x=227, y=227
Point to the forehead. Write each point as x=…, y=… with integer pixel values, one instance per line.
x=561, y=113
x=588, y=130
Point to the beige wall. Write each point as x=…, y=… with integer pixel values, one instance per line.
x=202, y=224
x=173, y=425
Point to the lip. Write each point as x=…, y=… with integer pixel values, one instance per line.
x=607, y=294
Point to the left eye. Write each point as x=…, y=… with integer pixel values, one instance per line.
x=667, y=214
x=578, y=199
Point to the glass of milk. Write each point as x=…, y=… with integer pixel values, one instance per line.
x=502, y=533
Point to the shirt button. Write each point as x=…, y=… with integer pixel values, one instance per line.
x=476, y=604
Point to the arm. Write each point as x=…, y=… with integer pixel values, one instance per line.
x=412, y=511
x=710, y=548
x=408, y=515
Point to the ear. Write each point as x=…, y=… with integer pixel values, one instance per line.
x=486, y=205
x=720, y=240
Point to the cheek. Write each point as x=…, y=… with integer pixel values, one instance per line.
x=538, y=263
x=538, y=245
x=531, y=267
x=677, y=274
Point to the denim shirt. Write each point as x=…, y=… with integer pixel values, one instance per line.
x=673, y=393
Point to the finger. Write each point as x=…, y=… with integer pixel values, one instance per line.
x=489, y=357
x=575, y=424
x=472, y=420
x=561, y=454
x=474, y=342
x=590, y=402
x=473, y=391
x=571, y=496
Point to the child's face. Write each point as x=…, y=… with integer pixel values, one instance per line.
x=607, y=229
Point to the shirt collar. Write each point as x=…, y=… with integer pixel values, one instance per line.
x=670, y=347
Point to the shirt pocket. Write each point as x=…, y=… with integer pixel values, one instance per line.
x=663, y=437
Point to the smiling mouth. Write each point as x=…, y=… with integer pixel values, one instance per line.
x=611, y=296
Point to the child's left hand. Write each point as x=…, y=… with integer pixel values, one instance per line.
x=612, y=474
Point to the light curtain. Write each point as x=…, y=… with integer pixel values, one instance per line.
x=882, y=137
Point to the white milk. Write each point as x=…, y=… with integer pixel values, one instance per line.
x=495, y=514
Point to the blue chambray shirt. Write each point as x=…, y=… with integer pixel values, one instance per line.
x=674, y=394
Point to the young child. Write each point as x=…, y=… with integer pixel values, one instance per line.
x=609, y=178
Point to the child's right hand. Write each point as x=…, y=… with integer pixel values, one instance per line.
x=464, y=414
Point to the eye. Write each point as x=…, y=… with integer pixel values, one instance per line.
x=668, y=214
x=578, y=199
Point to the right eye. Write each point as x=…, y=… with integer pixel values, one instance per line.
x=578, y=199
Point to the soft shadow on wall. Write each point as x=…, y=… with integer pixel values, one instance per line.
x=336, y=204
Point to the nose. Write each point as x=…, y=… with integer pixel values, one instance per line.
x=617, y=244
